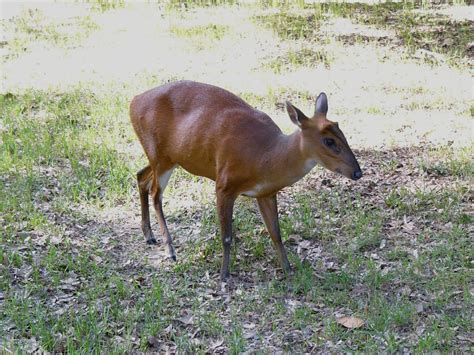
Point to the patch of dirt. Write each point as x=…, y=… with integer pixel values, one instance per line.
x=458, y=13
x=349, y=33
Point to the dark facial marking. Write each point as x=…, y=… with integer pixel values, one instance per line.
x=329, y=142
x=334, y=129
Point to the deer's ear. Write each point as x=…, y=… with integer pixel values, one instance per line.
x=297, y=117
x=321, y=105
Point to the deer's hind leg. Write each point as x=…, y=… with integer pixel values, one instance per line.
x=145, y=179
x=162, y=172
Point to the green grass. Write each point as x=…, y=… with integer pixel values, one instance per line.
x=54, y=135
x=33, y=27
x=300, y=58
x=76, y=276
x=106, y=5
x=178, y=4
x=290, y=26
x=416, y=31
x=210, y=32
x=446, y=161
x=201, y=37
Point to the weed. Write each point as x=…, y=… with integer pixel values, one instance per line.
x=56, y=131
x=106, y=5
x=417, y=31
x=184, y=4
x=365, y=230
x=397, y=254
x=290, y=26
x=210, y=32
x=32, y=26
x=236, y=341
x=301, y=58
x=201, y=37
x=211, y=324
x=374, y=110
x=446, y=161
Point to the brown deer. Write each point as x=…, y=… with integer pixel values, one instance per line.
x=211, y=132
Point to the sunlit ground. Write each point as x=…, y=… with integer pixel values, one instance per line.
x=381, y=96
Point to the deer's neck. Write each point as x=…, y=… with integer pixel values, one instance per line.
x=291, y=162
x=282, y=165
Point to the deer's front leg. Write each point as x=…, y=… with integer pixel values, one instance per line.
x=269, y=210
x=225, y=207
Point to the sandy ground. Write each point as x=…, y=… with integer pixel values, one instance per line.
x=381, y=97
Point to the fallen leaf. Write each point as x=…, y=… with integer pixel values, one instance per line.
x=294, y=239
x=168, y=329
x=216, y=344
x=249, y=334
x=186, y=319
x=293, y=304
x=196, y=341
x=383, y=242
x=350, y=322
x=471, y=340
x=249, y=325
x=305, y=244
x=153, y=341
x=448, y=42
x=55, y=240
x=96, y=258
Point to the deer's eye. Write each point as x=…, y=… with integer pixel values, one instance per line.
x=329, y=142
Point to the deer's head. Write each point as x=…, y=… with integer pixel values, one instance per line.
x=323, y=141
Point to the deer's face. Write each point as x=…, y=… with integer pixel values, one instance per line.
x=323, y=141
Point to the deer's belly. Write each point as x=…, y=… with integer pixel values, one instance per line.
x=260, y=189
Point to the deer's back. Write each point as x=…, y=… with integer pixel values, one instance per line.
x=199, y=126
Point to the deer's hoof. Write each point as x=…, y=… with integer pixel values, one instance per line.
x=225, y=276
x=151, y=241
x=171, y=253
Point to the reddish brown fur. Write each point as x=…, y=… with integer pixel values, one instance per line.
x=212, y=133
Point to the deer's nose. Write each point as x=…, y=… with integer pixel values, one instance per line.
x=356, y=175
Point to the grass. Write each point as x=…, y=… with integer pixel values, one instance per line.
x=417, y=31
x=300, y=58
x=429, y=35
x=32, y=26
x=115, y=304
x=59, y=131
x=447, y=161
x=76, y=276
x=290, y=26
x=201, y=37
x=106, y=5
x=210, y=32
x=177, y=4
